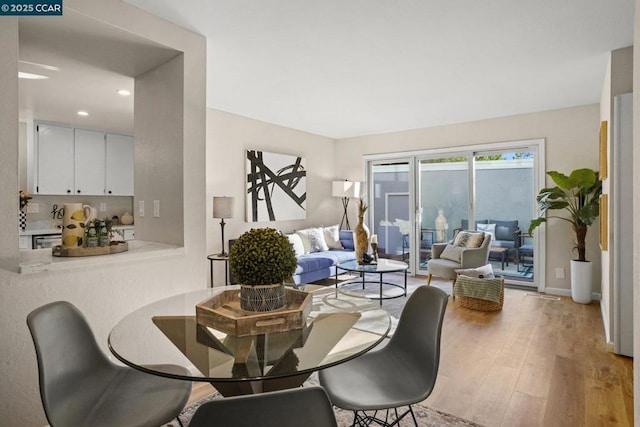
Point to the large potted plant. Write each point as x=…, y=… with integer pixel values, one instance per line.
x=261, y=260
x=578, y=196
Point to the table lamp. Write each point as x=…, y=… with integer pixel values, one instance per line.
x=222, y=208
x=345, y=190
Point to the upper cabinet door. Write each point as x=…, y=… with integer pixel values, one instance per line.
x=55, y=159
x=89, y=162
x=120, y=160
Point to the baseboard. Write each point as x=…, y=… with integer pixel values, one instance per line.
x=567, y=293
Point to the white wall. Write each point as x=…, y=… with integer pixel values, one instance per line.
x=228, y=137
x=636, y=216
x=571, y=142
x=159, y=147
x=618, y=80
x=106, y=293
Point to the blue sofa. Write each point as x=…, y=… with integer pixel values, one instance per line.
x=321, y=265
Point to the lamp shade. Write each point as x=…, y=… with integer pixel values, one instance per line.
x=223, y=207
x=346, y=189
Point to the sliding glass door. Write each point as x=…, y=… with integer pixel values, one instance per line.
x=443, y=197
x=426, y=198
x=504, y=204
x=390, y=208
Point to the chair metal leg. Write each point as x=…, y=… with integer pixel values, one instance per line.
x=428, y=279
x=361, y=419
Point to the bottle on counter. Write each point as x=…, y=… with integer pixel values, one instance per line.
x=103, y=234
x=92, y=236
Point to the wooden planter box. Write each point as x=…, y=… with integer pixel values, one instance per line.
x=86, y=251
x=223, y=312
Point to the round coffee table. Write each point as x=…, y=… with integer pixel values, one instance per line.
x=381, y=267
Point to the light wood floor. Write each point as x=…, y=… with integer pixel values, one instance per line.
x=535, y=363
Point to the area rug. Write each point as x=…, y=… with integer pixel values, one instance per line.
x=426, y=416
x=394, y=306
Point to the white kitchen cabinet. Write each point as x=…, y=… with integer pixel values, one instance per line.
x=89, y=162
x=119, y=165
x=83, y=162
x=55, y=159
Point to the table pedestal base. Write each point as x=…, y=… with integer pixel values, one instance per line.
x=237, y=388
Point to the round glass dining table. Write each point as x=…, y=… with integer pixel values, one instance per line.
x=166, y=333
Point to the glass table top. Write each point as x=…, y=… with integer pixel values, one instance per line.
x=382, y=266
x=340, y=326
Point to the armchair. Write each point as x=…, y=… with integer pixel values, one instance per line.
x=469, y=258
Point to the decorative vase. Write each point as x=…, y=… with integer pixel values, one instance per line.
x=441, y=226
x=22, y=216
x=73, y=224
x=262, y=297
x=581, y=279
x=126, y=219
x=361, y=234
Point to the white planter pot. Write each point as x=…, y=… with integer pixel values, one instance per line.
x=581, y=280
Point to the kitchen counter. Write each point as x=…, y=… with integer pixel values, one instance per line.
x=35, y=231
x=34, y=261
x=49, y=230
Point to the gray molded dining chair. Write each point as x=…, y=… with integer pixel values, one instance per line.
x=307, y=406
x=399, y=374
x=79, y=386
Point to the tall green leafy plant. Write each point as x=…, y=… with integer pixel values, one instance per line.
x=578, y=195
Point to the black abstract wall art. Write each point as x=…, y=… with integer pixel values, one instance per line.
x=276, y=187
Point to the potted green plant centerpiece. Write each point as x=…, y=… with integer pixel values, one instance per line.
x=261, y=260
x=578, y=195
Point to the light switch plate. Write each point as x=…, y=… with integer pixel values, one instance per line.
x=103, y=207
x=141, y=208
x=156, y=208
x=33, y=208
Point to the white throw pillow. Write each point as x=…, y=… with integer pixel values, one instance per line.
x=484, y=272
x=489, y=229
x=332, y=237
x=313, y=240
x=296, y=243
x=452, y=253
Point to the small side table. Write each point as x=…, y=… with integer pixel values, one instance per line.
x=219, y=257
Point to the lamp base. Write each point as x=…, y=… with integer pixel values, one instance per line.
x=345, y=217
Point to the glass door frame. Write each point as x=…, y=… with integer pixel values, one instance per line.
x=369, y=163
x=537, y=146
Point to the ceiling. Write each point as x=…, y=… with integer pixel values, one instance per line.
x=338, y=68
x=343, y=68
x=86, y=62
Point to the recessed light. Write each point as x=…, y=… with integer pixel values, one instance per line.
x=124, y=92
x=31, y=76
x=82, y=113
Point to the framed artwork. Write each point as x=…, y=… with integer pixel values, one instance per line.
x=604, y=222
x=276, y=187
x=603, y=150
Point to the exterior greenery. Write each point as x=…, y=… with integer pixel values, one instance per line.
x=579, y=196
x=262, y=256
